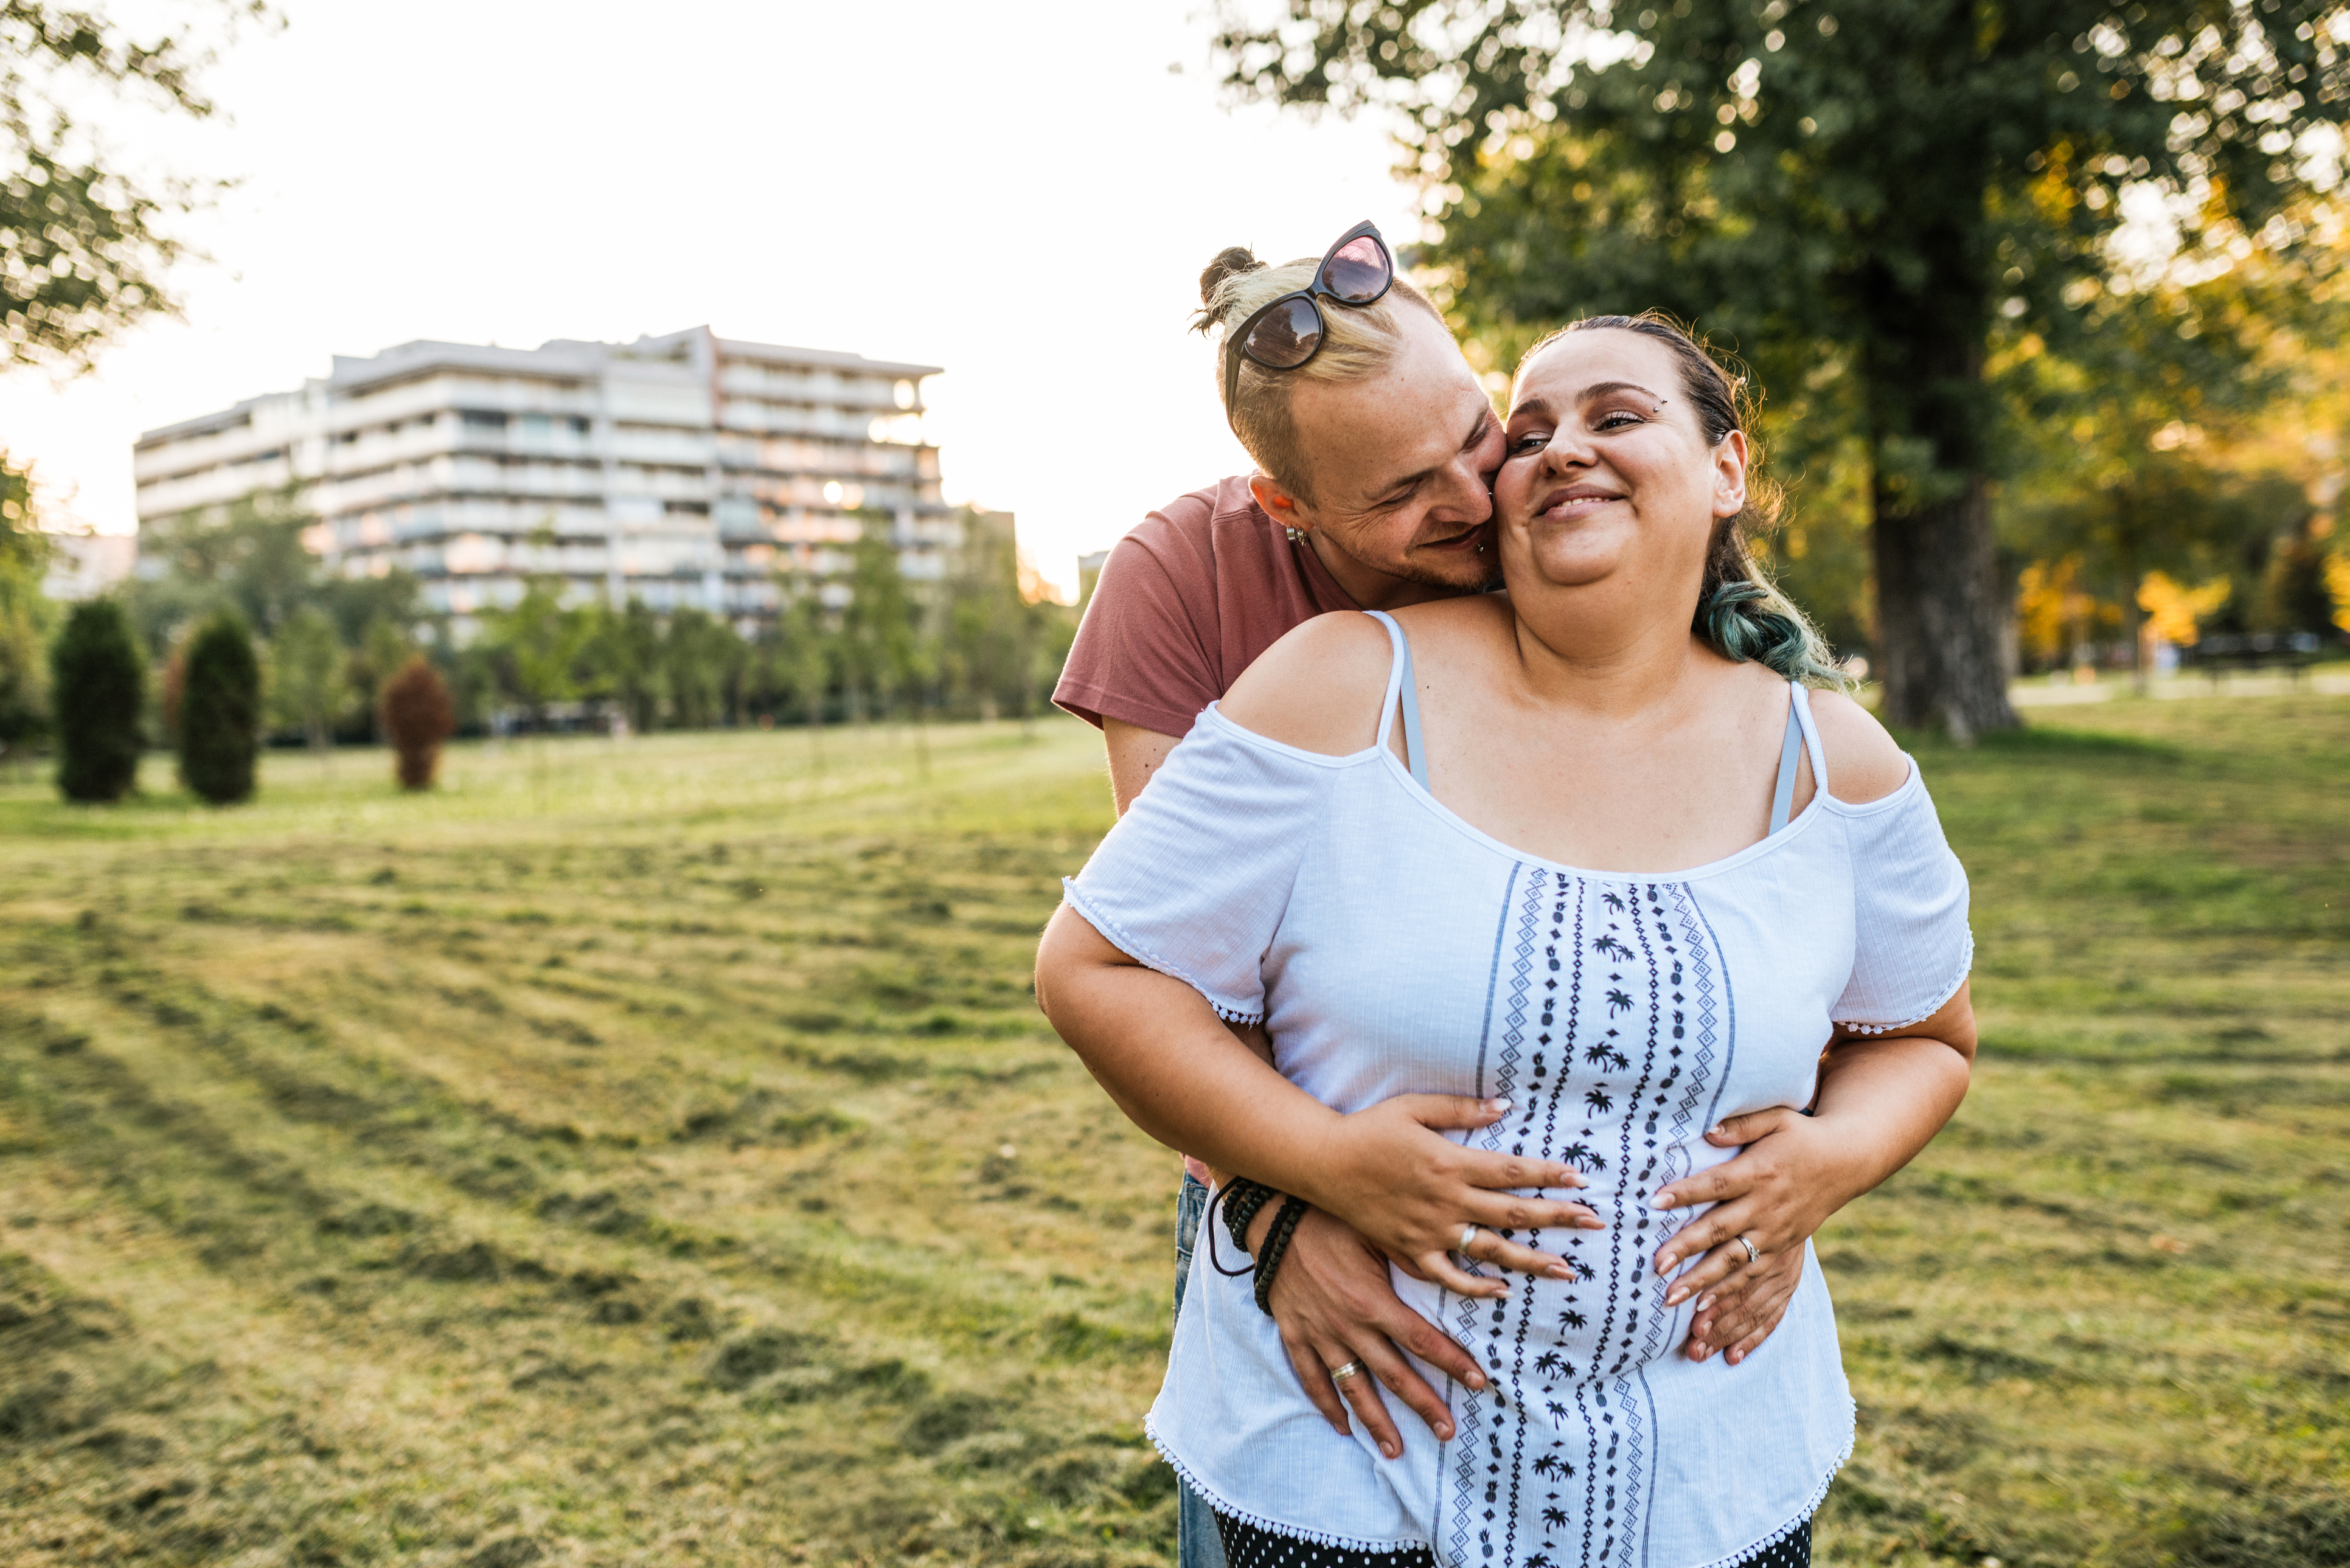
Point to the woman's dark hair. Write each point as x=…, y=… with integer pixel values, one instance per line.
x=1740, y=612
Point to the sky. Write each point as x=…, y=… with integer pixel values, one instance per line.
x=1023, y=194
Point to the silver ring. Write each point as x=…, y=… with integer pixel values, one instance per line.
x=1752, y=1255
x=1340, y=1374
x=1467, y=1234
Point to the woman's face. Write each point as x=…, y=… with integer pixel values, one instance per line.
x=1609, y=473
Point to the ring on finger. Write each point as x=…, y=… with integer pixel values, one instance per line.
x=1754, y=1254
x=1340, y=1374
x=1468, y=1235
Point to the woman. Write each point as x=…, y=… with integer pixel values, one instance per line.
x=1590, y=851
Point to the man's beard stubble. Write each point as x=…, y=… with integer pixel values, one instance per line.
x=1470, y=572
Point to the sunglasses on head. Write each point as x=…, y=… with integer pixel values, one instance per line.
x=1356, y=271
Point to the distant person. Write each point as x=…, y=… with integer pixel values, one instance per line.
x=1592, y=856
x=1375, y=457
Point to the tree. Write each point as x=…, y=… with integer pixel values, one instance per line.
x=384, y=647
x=1000, y=630
x=25, y=615
x=623, y=657
x=309, y=680
x=99, y=682
x=881, y=632
x=417, y=715
x=220, y=711
x=803, y=653
x=700, y=658
x=82, y=251
x=246, y=556
x=537, y=645
x=1858, y=191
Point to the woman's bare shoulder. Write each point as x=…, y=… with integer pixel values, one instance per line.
x=1317, y=688
x=1865, y=764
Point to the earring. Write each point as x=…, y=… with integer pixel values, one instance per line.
x=1296, y=536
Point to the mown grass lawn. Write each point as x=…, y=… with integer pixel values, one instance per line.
x=649, y=1154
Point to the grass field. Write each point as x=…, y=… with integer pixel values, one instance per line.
x=649, y=1154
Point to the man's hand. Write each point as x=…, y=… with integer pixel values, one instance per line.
x=1334, y=1302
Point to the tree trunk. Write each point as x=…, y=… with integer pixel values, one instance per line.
x=1941, y=605
x=1939, y=615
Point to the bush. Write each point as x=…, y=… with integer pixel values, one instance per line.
x=220, y=711
x=98, y=684
x=417, y=716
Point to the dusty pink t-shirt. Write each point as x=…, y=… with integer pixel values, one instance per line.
x=1185, y=603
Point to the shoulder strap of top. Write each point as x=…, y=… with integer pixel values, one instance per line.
x=1783, y=797
x=1404, y=690
x=1801, y=731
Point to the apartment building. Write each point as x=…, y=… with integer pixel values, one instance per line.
x=683, y=470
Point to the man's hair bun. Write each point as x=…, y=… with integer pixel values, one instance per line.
x=1231, y=262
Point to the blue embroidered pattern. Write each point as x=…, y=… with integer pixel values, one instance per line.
x=1610, y=1047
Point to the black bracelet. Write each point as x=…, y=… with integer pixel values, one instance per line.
x=1243, y=1200
x=1247, y=1197
x=1276, y=1247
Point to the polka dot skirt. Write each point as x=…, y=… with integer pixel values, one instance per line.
x=1247, y=1546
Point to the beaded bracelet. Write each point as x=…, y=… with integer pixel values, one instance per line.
x=1276, y=1247
x=1243, y=1200
x=1249, y=1198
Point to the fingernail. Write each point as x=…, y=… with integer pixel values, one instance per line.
x=1661, y=1200
x=1444, y=1433
x=1714, y=1131
x=1498, y=1108
x=1559, y=1272
x=1476, y=1381
x=1706, y=1305
x=1389, y=1449
x=1676, y=1295
x=1732, y=1359
x=1665, y=1263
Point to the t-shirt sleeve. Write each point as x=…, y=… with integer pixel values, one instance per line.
x=1196, y=876
x=1913, y=945
x=1138, y=656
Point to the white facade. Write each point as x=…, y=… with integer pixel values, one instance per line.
x=685, y=469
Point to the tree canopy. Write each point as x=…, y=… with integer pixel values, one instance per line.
x=84, y=245
x=1863, y=195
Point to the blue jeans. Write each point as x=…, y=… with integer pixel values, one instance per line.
x=1197, y=1543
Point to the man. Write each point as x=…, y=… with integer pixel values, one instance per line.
x=1376, y=455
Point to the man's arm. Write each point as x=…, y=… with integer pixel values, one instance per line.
x=1334, y=1302
x=1135, y=755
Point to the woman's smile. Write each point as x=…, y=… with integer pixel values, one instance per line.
x=1574, y=502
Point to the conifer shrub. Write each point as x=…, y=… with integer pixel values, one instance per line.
x=220, y=711
x=97, y=683
x=417, y=715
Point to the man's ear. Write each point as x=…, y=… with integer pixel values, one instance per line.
x=1279, y=505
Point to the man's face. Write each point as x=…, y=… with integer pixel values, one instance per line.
x=1401, y=463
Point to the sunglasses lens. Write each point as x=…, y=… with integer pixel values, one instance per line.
x=1359, y=273
x=1286, y=336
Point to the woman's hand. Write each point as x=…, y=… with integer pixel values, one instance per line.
x=1182, y=1075
x=1738, y=1322
x=1391, y=1174
x=1880, y=1101
x=1775, y=1194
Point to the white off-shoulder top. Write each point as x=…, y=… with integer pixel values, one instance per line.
x=1391, y=948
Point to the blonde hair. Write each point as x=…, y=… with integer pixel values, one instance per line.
x=1356, y=341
